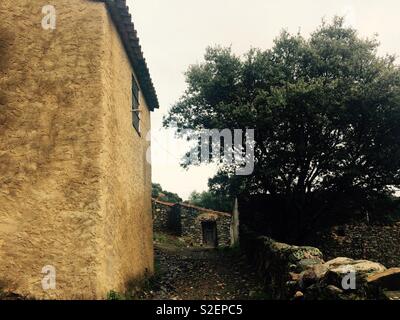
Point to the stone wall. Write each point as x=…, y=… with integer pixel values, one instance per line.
x=161, y=212
x=191, y=219
x=186, y=221
x=301, y=273
x=75, y=189
x=361, y=241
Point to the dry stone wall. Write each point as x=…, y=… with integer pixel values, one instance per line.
x=361, y=241
x=161, y=212
x=191, y=221
x=301, y=273
x=186, y=221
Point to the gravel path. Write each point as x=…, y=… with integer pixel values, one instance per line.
x=202, y=274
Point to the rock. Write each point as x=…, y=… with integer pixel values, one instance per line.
x=341, y=267
x=299, y=296
x=362, y=267
x=338, y=262
x=388, y=279
x=292, y=267
x=391, y=295
x=314, y=292
x=294, y=276
x=292, y=285
x=331, y=292
x=252, y=294
x=305, y=264
x=304, y=253
x=320, y=270
x=307, y=279
x=313, y=275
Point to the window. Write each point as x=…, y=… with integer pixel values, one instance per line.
x=135, y=105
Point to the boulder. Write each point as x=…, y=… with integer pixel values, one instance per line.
x=341, y=267
x=313, y=275
x=338, y=262
x=306, y=264
x=320, y=270
x=307, y=279
x=363, y=268
x=388, y=279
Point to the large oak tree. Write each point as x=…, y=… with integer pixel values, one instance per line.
x=326, y=110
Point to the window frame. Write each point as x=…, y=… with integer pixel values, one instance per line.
x=135, y=106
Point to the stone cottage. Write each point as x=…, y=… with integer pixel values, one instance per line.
x=75, y=186
x=198, y=226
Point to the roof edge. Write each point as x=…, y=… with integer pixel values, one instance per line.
x=191, y=206
x=122, y=19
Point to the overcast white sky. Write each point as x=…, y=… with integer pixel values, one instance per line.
x=175, y=33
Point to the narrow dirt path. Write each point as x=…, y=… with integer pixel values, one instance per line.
x=202, y=274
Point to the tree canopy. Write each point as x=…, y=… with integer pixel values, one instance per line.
x=163, y=195
x=211, y=200
x=326, y=114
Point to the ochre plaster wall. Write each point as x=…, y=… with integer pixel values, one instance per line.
x=74, y=184
x=126, y=191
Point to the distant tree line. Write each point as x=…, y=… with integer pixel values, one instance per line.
x=163, y=195
x=211, y=200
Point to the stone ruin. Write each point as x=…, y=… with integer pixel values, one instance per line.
x=197, y=226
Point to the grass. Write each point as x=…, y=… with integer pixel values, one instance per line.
x=163, y=238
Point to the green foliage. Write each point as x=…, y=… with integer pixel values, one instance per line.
x=112, y=295
x=160, y=194
x=211, y=200
x=156, y=190
x=326, y=112
x=167, y=239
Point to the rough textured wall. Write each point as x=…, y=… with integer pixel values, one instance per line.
x=50, y=170
x=373, y=242
x=127, y=233
x=62, y=200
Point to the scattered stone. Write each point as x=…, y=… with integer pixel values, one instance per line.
x=200, y=274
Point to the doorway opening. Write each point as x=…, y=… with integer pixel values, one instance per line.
x=210, y=238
